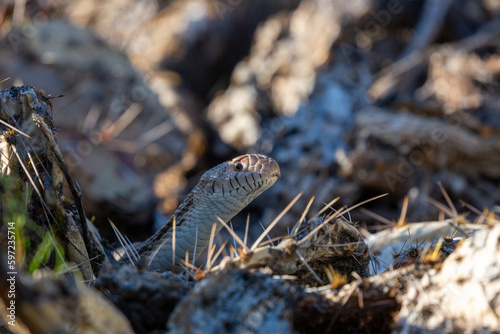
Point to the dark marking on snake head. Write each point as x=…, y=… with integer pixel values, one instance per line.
x=248, y=182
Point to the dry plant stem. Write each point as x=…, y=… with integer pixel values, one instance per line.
x=309, y=267
x=471, y=208
x=246, y=229
x=125, y=245
x=448, y=200
x=275, y=221
x=12, y=127
x=8, y=112
x=328, y=206
x=402, y=217
x=35, y=170
x=221, y=248
x=441, y=207
x=333, y=216
x=373, y=215
x=125, y=119
x=195, y=244
x=210, y=246
x=77, y=194
x=150, y=259
x=451, y=211
x=234, y=235
x=26, y=171
x=296, y=228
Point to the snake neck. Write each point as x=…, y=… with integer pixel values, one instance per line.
x=222, y=192
x=193, y=226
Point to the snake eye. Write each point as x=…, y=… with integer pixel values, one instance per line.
x=238, y=167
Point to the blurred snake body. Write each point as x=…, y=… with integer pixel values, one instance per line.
x=222, y=191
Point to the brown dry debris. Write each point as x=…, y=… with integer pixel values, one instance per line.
x=352, y=98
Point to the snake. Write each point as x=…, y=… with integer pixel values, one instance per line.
x=222, y=191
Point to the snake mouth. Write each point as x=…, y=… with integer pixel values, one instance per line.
x=245, y=176
x=264, y=184
x=249, y=184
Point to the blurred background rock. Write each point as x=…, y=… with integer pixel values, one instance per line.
x=352, y=98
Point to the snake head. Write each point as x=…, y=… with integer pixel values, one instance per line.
x=246, y=175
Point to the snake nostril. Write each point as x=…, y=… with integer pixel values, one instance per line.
x=274, y=168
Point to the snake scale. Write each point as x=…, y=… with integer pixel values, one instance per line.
x=222, y=191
